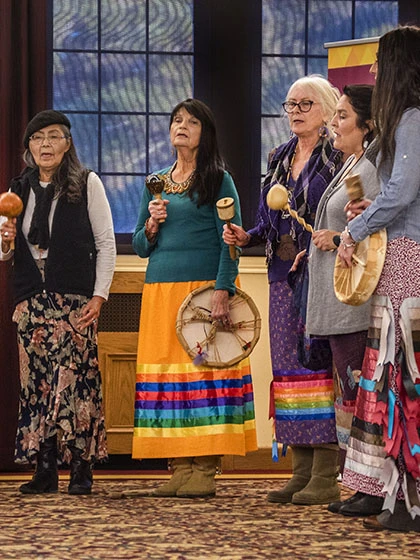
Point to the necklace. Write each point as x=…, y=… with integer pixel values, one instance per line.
x=177, y=188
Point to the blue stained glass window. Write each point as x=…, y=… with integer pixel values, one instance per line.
x=293, y=36
x=119, y=68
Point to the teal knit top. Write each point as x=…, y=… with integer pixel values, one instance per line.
x=189, y=244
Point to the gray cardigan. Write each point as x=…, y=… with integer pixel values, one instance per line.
x=325, y=314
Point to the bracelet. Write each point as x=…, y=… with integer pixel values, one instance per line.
x=347, y=245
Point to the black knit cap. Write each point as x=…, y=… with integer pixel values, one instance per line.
x=43, y=119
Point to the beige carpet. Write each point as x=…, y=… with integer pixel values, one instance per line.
x=239, y=524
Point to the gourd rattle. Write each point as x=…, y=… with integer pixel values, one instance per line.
x=278, y=199
x=155, y=184
x=10, y=206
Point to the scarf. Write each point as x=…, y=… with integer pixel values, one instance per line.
x=39, y=232
x=323, y=163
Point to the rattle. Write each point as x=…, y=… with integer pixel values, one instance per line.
x=10, y=206
x=278, y=199
x=226, y=211
x=155, y=184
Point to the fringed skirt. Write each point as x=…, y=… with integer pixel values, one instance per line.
x=302, y=401
x=383, y=457
x=182, y=409
x=61, y=391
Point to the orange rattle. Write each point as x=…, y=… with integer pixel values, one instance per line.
x=10, y=206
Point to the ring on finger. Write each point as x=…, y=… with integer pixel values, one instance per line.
x=6, y=234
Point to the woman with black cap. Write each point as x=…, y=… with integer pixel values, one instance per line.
x=64, y=258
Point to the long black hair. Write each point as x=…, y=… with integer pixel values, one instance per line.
x=210, y=164
x=360, y=98
x=397, y=83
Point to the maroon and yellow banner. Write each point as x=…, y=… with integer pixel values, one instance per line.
x=349, y=62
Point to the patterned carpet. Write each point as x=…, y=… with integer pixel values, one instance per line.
x=117, y=522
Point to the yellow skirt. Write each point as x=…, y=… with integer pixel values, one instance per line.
x=181, y=409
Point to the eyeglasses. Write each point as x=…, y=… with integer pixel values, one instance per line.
x=39, y=138
x=303, y=106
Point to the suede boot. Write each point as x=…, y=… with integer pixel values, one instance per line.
x=81, y=478
x=45, y=479
x=302, y=458
x=182, y=471
x=201, y=483
x=322, y=487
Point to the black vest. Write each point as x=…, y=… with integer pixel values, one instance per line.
x=71, y=264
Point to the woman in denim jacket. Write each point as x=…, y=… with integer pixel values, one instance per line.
x=388, y=403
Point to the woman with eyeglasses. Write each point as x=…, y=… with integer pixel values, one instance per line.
x=388, y=402
x=63, y=251
x=302, y=402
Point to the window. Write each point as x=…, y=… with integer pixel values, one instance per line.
x=119, y=67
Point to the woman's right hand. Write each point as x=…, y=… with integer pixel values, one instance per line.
x=355, y=207
x=8, y=234
x=297, y=260
x=157, y=209
x=235, y=235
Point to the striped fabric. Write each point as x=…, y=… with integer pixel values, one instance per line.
x=182, y=409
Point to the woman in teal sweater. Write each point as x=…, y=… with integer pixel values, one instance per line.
x=190, y=413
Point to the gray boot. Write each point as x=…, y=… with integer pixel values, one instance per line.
x=182, y=471
x=302, y=458
x=322, y=487
x=201, y=484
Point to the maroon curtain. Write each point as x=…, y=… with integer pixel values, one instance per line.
x=23, y=92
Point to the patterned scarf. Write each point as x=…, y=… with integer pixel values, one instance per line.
x=324, y=162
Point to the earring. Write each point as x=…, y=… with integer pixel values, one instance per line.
x=323, y=132
x=365, y=143
x=291, y=134
x=172, y=152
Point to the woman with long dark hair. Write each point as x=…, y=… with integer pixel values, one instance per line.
x=389, y=397
x=188, y=412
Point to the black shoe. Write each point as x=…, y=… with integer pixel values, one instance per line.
x=81, y=478
x=334, y=507
x=366, y=506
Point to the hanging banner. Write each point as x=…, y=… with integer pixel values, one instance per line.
x=349, y=62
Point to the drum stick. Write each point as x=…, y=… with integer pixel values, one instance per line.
x=10, y=206
x=155, y=184
x=226, y=211
x=278, y=199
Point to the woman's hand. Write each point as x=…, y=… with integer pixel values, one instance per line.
x=235, y=235
x=220, y=307
x=297, y=260
x=90, y=312
x=8, y=234
x=157, y=210
x=323, y=239
x=356, y=207
x=346, y=249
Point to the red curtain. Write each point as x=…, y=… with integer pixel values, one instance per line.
x=23, y=92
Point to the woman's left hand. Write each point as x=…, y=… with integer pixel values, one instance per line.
x=90, y=312
x=220, y=307
x=323, y=239
x=297, y=260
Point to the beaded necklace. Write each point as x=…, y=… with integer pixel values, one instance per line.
x=177, y=188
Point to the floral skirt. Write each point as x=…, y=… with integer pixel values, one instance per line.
x=61, y=392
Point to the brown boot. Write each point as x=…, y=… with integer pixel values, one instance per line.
x=301, y=469
x=322, y=487
x=201, y=484
x=182, y=471
x=45, y=479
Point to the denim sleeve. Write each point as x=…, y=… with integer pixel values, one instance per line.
x=399, y=185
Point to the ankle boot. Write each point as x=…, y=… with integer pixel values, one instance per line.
x=81, y=478
x=45, y=479
x=182, y=471
x=201, y=483
x=322, y=487
x=302, y=458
